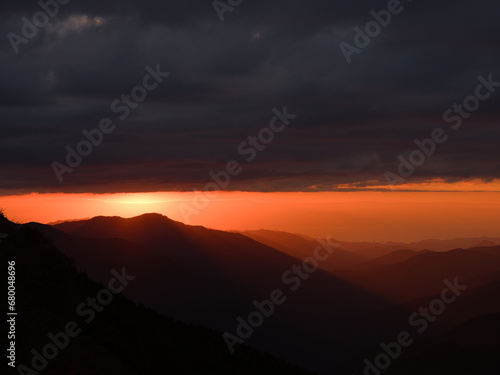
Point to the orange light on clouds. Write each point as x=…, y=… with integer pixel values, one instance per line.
x=354, y=215
x=438, y=184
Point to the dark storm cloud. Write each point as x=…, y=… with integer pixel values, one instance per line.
x=226, y=77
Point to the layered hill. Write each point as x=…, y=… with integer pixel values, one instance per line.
x=337, y=314
x=124, y=337
x=213, y=277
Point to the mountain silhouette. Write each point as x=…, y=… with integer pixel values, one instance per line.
x=124, y=338
x=336, y=318
x=211, y=277
x=422, y=274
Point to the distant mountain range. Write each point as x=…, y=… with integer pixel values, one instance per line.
x=359, y=296
x=368, y=250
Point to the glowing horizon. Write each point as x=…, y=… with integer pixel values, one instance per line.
x=350, y=215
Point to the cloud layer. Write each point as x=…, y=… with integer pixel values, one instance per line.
x=225, y=79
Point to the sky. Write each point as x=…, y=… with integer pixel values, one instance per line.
x=204, y=82
x=347, y=216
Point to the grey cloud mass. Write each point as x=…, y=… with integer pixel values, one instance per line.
x=225, y=79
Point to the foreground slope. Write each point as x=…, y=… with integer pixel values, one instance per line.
x=327, y=324
x=213, y=277
x=124, y=338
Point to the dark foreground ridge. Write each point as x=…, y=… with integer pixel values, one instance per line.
x=123, y=338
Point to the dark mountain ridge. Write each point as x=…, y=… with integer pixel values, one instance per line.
x=124, y=338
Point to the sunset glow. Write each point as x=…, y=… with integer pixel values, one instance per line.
x=361, y=215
